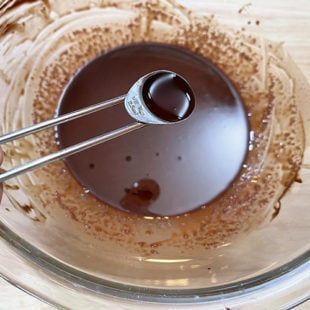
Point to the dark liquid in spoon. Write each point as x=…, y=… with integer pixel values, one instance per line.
x=186, y=165
x=168, y=96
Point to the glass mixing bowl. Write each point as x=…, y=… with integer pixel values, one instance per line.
x=60, y=244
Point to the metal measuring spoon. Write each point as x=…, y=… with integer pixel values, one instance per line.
x=159, y=97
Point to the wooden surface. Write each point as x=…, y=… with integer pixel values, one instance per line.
x=286, y=21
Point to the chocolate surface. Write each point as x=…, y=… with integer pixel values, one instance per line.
x=191, y=163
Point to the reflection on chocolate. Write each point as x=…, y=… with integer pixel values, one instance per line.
x=140, y=196
x=199, y=158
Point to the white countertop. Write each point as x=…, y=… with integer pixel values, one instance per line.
x=13, y=298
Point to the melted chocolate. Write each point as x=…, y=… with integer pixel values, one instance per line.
x=191, y=163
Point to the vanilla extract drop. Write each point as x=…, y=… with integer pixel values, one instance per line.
x=140, y=196
x=168, y=96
